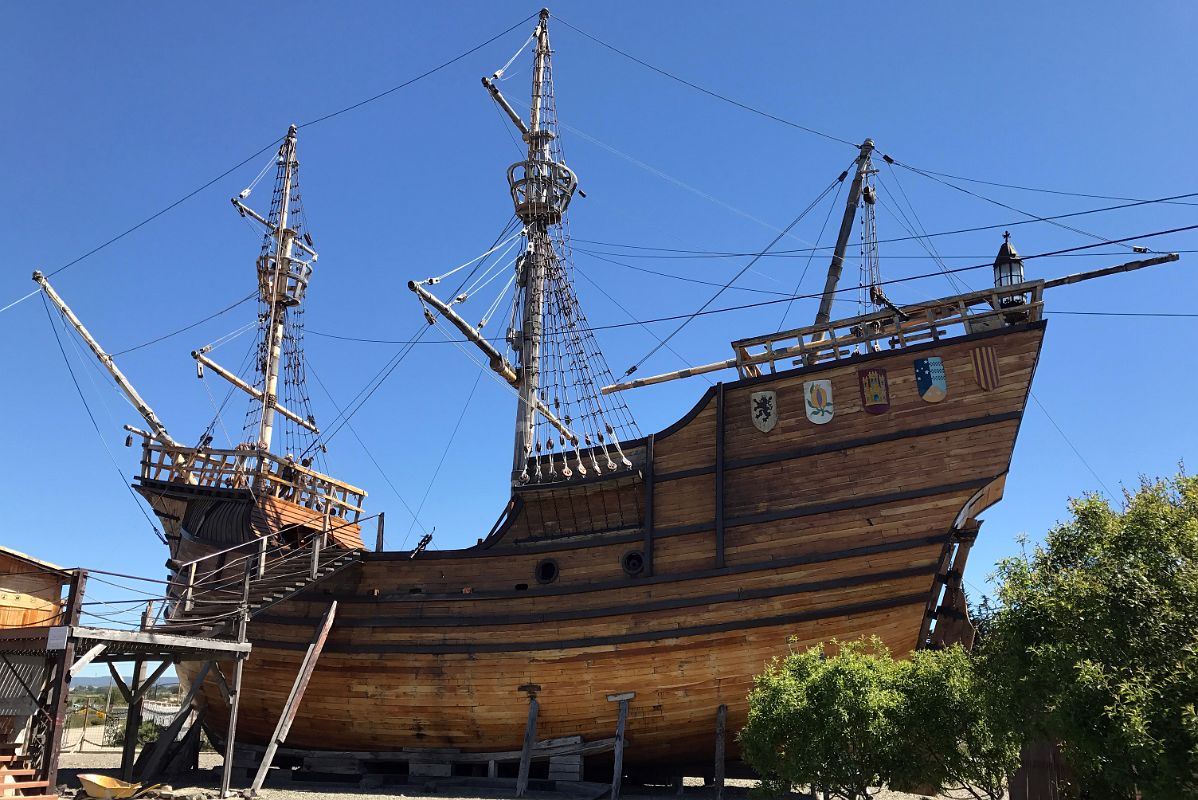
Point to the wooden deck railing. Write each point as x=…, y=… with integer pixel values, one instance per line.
x=895, y=328
x=264, y=473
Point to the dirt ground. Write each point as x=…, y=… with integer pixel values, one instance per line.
x=107, y=759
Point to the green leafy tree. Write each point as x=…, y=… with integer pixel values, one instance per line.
x=1095, y=641
x=955, y=733
x=823, y=721
x=859, y=718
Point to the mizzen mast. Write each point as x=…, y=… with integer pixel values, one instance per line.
x=863, y=167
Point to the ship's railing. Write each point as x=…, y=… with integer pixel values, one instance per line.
x=264, y=473
x=930, y=321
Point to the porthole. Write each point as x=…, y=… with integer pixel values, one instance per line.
x=633, y=562
x=547, y=571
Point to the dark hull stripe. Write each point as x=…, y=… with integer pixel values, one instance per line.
x=848, y=444
x=397, y=621
x=624, y=583
x=636, y=535
x=918, y=599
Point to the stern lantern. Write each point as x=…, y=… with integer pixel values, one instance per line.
x=1008, y=271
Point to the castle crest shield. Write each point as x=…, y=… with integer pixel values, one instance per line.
x=875, y=390
x=985, y=368
x=763, y=409
x=930, y=379
x=817, y=397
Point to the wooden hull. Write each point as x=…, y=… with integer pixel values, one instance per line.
x=747, y=539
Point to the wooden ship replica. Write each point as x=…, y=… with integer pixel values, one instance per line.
x=664, y=569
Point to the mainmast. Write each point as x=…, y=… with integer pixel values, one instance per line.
x=564, y=426
x=846, y=228
x=541, y=195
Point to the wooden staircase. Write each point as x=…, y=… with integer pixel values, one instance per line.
x=208, y=608
x=18, y=780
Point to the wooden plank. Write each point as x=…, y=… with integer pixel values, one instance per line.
x=87, y=658
x=296, y=697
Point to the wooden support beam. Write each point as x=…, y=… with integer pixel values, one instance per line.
x=721, y=719
x=166, y=740
x=234, y=703
x=148, y=683
x=649, y=491
x=378, y=543
x=719, y=476
x=530, y=738
x=120, y=684
x=132, y=720
x=297, y=695
x=617, y=770
x=87, y=658
x=222, y=683
x=48, y=770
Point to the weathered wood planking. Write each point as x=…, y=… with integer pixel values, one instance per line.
x=829, y=531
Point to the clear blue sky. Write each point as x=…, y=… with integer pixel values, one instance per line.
x=112, y=111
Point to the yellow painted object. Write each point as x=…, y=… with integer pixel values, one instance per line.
x=106, y=788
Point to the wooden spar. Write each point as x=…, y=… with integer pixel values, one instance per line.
x=530, y=739
x=1130, y=266
x=500, y=365
x=168, y=736
x=126, y=387
x=296, y=696
x=842, y=239
x=253, y=392
x=721, y=718
x=885, y=318
x=505, y=105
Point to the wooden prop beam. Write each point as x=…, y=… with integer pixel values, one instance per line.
x=530, y=739
x=617, y=769
x=168, y=736
x=721, y=719
x=148, y=683
x=296, y=696
x=234, y=703
x=132, y=720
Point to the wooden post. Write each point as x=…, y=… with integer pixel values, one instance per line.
x=617, y=770
x=234, y=702
x=135, y=699
x=378, y=536
x=318, y=544
x=530, y=738
x=62, y=684
x=721, y=718
x=296, y=696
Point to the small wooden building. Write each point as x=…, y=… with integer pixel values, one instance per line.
x=31, y=596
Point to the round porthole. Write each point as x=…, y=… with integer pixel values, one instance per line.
x=633, y=562
x=547, y=571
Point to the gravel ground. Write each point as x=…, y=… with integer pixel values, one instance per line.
x=107, y=760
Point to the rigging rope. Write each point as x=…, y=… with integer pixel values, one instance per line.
x=95, y=425
x=742, y=271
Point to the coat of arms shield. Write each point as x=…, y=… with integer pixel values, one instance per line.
x=763, y=408
x=875, y=390
x=818, y=401
x=985, y=367
x=930, y=379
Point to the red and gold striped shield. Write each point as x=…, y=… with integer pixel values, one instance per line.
x=985, y=368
